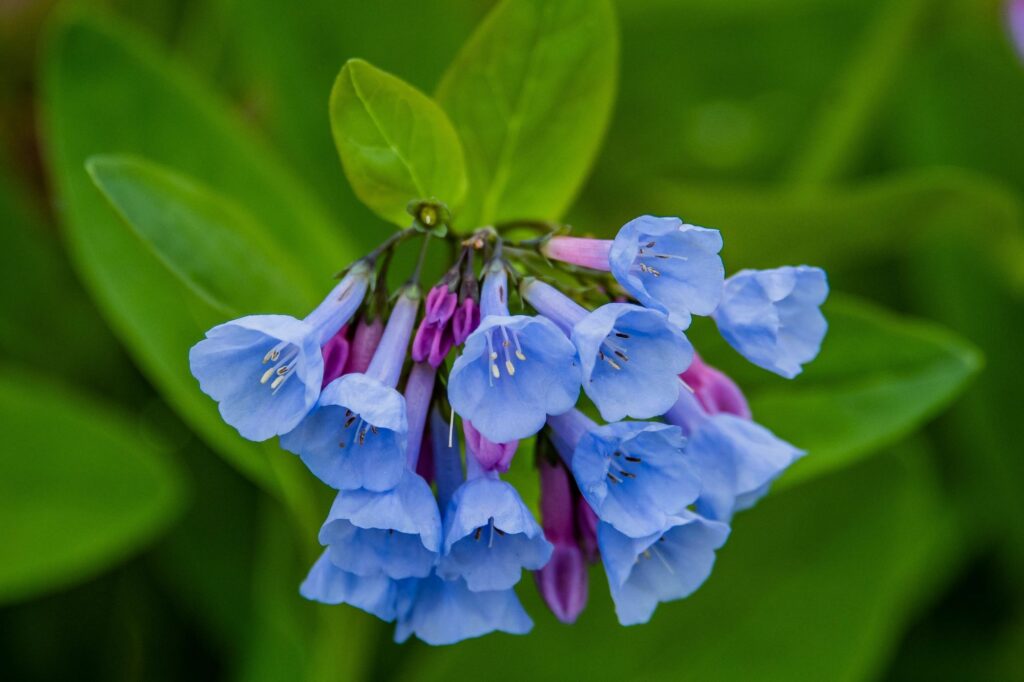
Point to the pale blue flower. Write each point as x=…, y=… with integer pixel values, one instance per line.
x=630, y=356
x=356, y=437
x=635, y=475
x=490, y=535
x=514, y=370
x=773, y=317
x=669, y=266
x=397, y=532
x=265, y=371
x=447, y=611
x=736, y=459
x=663, y=566
x=376, y=594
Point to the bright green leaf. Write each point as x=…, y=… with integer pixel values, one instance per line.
x=80, y=488
x=396, y=144
x=107, y=90
x=531, y=94
x=215, y=247
x=877, y=379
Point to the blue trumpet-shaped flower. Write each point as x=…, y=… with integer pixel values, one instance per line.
x=447, y=611
x=737, y=459
x=356, y=436
x=669, y=266
x=635, y=475
x=397, y=532
x=490, y=535
x=630, y=356
x=514, y=370
x=663, y=566
x=265, y=371
x=773, y=317
x=376, y=594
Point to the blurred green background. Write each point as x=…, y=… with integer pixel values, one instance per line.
x=141, y=539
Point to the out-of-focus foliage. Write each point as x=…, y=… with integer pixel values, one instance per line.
x=879, y=139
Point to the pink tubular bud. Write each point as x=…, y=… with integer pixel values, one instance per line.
x=364, y=345
x=434, y=336
x=465, y=321
x=714, y=390
x=589, y=253
x=490, y=456
x=563, y=583
x=563, y=580
x=440, y=305
x=335, y=353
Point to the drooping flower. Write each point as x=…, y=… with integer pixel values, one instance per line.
x=562, y=582
x=489, y=534
x=737, y=459
x=666, y=565
x=445, y=611
x=714, y=390
x=465, y=321
x=773, y=317
x=630, y=356
x=396, y=532
x=490, y=456
x=247, y=365
x=356, y=436
x=376, y=594
x=514, y=370
x=662, y=262
x=635, y=475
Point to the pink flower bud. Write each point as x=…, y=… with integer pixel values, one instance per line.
x=335, y=352
x=563, y=583
x=586, y=526
x=364, y=345
x=440, y=305
x=715, y=391
x=490, y=456
x=465, y=321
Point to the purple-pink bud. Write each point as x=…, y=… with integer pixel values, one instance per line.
x=364, y=345
x=563, y=580
x=440, y=306
x=715, y=391
x=563, y=583
x=589, y=253
x=490, y=456
x=434, y=337
x=465, y=321
x=335, y=353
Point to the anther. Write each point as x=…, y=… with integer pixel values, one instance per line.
x=284, y=370
x=510, y=367
x=631, y=458
x=277, y=382
x=519, y=354
x=622, y=335
x=612, y=478
x=622, y=356
x=627, y=474
x=495, y=371
x=266, y=375
x=476, y=535
x=350, y=420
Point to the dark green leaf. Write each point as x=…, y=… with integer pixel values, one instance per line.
x=213, y=246
x=104, y=90
x=531, y=94
x=80, y=488
x=396, y=144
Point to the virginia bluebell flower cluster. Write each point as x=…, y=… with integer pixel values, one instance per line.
x=544, y=332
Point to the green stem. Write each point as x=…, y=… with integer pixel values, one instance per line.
x=838, y=135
